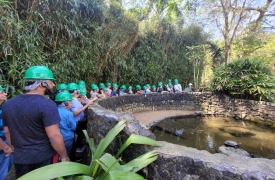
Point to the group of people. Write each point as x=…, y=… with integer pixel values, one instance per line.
x=34, y=129
x=110, y=90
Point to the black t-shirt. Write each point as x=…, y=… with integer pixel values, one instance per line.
x=26, y=117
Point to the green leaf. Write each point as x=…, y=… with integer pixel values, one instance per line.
x=137, y=139
x=115, y=175
x=143, y=160
x=106, y=141
x=56, y=170
x=109, y=163
x=82, y=178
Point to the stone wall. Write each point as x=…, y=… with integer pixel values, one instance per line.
x=179, y=162
x=209, y=103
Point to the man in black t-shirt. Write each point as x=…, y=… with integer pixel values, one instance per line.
x=31, y=123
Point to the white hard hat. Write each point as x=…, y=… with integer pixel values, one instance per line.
x=190, y=84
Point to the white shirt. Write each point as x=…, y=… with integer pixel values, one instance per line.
x=177, y=88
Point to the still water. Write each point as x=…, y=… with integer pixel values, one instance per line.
x=209, y=133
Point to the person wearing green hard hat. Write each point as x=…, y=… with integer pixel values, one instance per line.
x=154, y=88
x=122, y=90
x=105, y=92
x=177, y=86
x=83, y=97
x=6, y=151
x=170, y=88
x=78, y=112
x=130, y=90
x=62, y=87
x=101, y=85
x=138, y=89
x=160, y=88
x=67, y=125
x=109, y=85
x=144, y=89
x=167, y=85
x=31, y=123
x=82, y=85
x=148, y=87
x=114, y=91
x=94, y=91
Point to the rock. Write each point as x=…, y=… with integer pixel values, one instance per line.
x=231, y=151
x=230, y=143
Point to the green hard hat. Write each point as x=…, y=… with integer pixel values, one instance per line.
x=122, y=87
x=94, y=86
x=81, y=82
x=83, y=92
x=153, y=86
x=138, y=86
x=39, y=72
x=72, y=86
x=63, y=96
x=114, y=85
x=101, y=85
x=105, y=89
x=169, y=80
x=61, y=86
x=130, y=87
x=108, y=84
x=169, y=84
x=1, y=88
x=144, y=87
x=176, y=81
x=160, y=84
x=82, y=86
x=148, y=85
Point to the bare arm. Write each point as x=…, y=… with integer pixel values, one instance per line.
x=77, y=112
x=57, y=141
x=7, y=134
x=6, y=148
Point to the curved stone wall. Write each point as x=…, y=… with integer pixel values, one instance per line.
x=179, y=162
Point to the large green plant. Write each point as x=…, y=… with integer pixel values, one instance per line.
x=102, y=165
x=245, y=78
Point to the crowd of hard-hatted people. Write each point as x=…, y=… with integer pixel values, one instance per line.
x=110, y=90
x=35, y=131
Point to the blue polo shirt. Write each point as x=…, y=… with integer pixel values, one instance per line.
x=67, y=125
x=76, y=105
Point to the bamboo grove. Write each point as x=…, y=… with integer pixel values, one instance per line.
x=93, y=41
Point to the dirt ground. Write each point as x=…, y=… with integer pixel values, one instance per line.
x=149, y=116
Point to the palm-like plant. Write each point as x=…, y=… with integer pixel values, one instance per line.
x=102, y=165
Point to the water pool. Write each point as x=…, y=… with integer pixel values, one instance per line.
x=209, y=133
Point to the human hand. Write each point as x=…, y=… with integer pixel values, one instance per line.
x=64, y=159
x=93, y=99
x=8, y=150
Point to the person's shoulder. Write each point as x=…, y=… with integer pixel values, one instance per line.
x=12, y=100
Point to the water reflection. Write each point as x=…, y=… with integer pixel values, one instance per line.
x=209, y=133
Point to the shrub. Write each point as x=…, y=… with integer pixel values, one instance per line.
x=245, y=78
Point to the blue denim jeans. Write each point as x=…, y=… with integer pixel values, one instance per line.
x=5, y=165
x=69, y=145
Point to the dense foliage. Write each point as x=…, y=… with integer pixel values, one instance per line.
x=93, y=41
x=245, y=78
